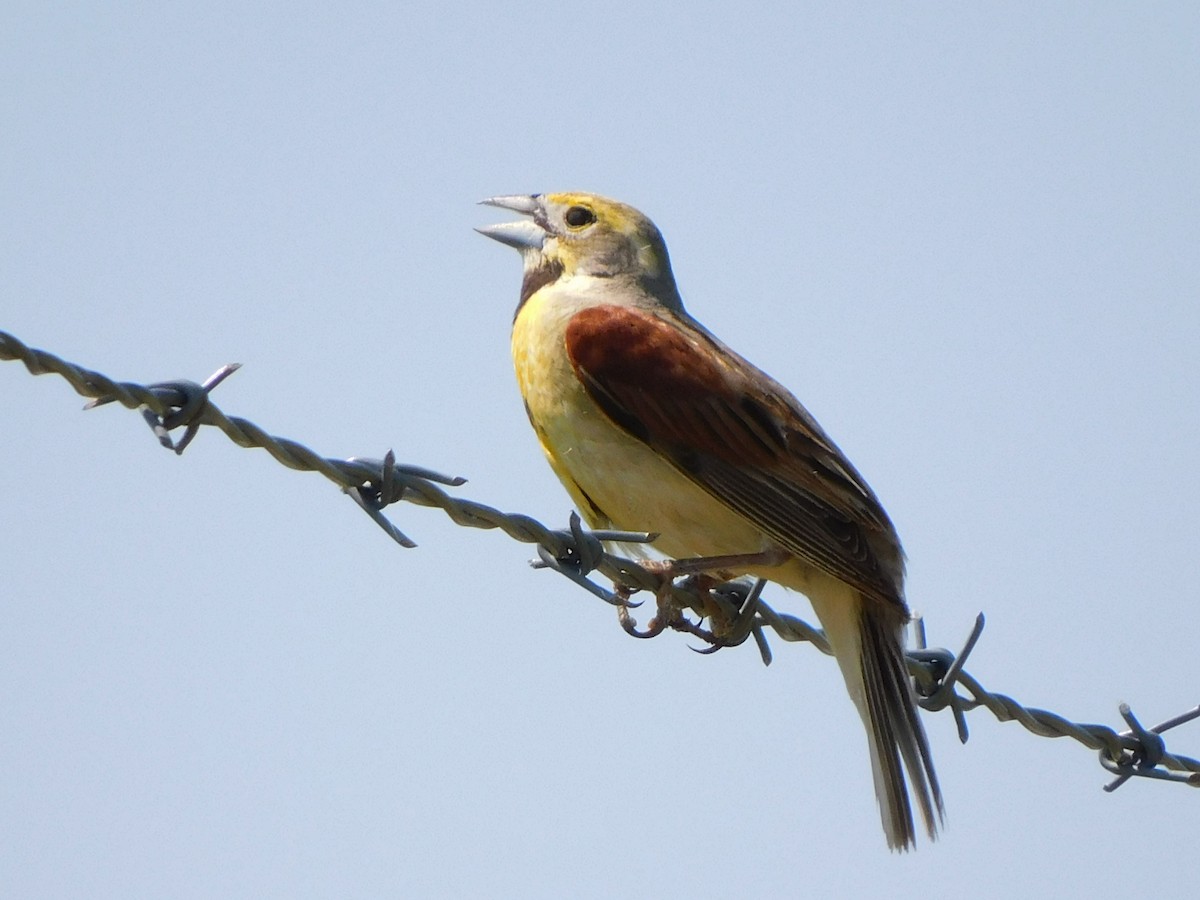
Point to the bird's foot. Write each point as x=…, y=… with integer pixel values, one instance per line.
x=666, y=609
x=728, y=616
x=731, y=622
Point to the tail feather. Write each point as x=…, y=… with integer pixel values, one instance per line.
x=896, y=734
x=867, y=641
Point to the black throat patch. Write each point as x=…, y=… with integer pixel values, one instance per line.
x=536, y=279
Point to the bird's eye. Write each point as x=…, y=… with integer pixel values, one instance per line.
x=578, y=216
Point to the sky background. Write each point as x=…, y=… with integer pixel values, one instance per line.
x=965, y=237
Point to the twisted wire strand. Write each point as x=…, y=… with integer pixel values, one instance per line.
x=735, y=611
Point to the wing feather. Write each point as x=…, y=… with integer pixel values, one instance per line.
x=740, y=436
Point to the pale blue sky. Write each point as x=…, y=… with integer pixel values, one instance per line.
x=966, y=238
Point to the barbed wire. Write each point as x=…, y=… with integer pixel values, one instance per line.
x=734, y=611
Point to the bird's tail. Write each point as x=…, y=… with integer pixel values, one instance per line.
x=868, y=644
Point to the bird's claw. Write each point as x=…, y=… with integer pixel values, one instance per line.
x=656, y=626
x=731, y=622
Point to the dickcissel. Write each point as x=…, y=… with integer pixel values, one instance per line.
x=653, y=424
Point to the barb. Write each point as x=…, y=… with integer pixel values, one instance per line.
x=733, y=611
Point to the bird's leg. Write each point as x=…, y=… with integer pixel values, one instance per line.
x=767, y=559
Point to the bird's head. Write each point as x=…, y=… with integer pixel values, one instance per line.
x=577, y=234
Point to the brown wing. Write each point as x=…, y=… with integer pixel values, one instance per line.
x=740, y=436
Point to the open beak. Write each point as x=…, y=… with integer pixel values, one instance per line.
x=524, y=235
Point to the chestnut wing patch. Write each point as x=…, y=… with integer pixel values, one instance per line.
x=663, y=385
x=755, y=449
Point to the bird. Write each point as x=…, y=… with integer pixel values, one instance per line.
x=653, y=424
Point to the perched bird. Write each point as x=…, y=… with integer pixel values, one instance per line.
x=653, y=424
